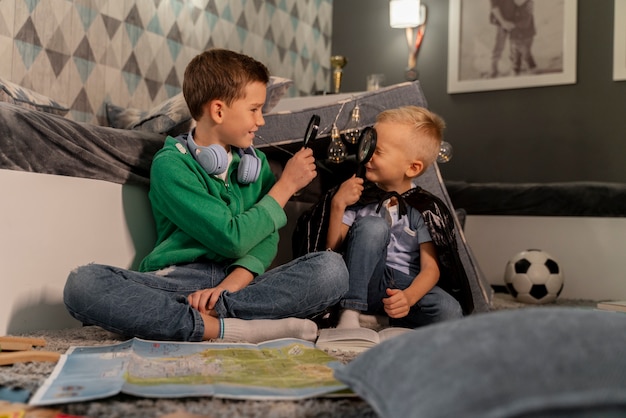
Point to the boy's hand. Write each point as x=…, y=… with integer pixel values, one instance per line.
x=349, y=192
x=397, y=305
x=300, y=170
x=204, y=300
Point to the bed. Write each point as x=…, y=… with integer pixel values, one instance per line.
x=77, y=193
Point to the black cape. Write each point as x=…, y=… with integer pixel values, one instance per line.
x=311, y=229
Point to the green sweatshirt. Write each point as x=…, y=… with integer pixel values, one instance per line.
x=198, y=215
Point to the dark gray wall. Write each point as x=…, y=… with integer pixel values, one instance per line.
x=542, y=134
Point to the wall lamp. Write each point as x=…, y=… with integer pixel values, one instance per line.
x=411, y=16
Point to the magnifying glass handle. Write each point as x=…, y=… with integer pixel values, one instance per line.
x=311, y=130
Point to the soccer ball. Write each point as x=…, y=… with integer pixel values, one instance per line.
x=533, y=276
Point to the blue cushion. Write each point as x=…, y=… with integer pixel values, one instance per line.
x=534, y=362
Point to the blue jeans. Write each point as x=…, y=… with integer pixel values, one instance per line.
x=366, y=255
x=154, y=305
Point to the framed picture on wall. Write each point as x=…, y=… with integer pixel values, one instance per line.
x=619, y=41
x=510, y=44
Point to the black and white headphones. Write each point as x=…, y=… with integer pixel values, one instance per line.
x=214, y=160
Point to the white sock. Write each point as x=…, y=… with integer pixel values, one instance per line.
x=349, y=318
x=259, y=330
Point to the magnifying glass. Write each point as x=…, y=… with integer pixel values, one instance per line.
x=311, y=130
x=367, y=146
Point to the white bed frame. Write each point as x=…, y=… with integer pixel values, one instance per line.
x=51, y=224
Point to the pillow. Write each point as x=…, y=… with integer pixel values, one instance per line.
x=123, y=118
x=172, y=117
x=276, y=89
x=20, y=96
x=534, y=362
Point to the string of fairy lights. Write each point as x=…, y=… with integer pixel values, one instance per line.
x=349, y=134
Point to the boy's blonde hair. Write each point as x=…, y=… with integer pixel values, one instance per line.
x=428, y=127
x=219, y=74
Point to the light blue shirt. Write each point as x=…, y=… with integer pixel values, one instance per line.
x=407, y=233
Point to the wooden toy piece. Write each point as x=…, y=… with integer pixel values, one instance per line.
x=20, y=350
x=27, y=356
x=14, y=346
x=38, y=342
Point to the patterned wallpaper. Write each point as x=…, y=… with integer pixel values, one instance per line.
x=132, y=53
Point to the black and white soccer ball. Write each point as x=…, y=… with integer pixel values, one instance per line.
x=533, y=276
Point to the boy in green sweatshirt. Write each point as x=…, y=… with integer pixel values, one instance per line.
x=217, y=208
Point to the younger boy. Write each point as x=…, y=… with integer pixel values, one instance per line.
x=217, y=209
x=391, y=259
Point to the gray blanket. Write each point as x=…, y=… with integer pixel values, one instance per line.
x=44, y=143
x=41, y=142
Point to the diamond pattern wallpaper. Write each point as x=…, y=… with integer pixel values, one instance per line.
x=133, y=53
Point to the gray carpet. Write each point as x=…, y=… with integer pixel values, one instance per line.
x=31, y=375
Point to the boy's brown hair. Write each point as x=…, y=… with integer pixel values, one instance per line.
x=219, y=74
x=428, y=127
